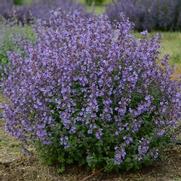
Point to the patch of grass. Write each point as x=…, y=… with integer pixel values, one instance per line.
x=7, y=34
x=9, y=147
x=10, y=31
x=2, y=99
x=171, y=44
x=96, y=9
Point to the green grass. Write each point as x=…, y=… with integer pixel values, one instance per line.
x=171, y=44
x=96, y=9
x=25, y=31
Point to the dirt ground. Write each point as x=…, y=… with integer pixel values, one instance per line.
x=15, y=167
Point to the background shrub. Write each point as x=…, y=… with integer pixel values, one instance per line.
x=28, y=13
x=148, y=14
x=89, y=93
x=5, y=7
x=43, y=7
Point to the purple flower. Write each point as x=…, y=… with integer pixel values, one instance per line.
x=144, y=33
x=161, y=133
x=143, y=148
x=99, y=134
x=128, y=140
x=120, y=155
x=64, y=141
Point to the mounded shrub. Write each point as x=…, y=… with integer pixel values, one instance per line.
x=148, y=14
x=91, y=94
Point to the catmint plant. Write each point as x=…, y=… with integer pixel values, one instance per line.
x=89, y=93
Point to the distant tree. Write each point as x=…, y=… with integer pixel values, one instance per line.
x=96, y=2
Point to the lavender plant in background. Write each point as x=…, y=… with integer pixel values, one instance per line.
x=41, y=8
x=15, y=14
x=5, y=7
x=148, y=14
x=90, y=93
x=165, y=14
x=137, y=11
x=38, y=9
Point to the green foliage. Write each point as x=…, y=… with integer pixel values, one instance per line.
x=18, y=2
x=95, y=2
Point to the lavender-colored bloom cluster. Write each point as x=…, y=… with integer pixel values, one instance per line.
x=148, y=14
x=91, y=87
x=143, y=147
x=120, y=155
